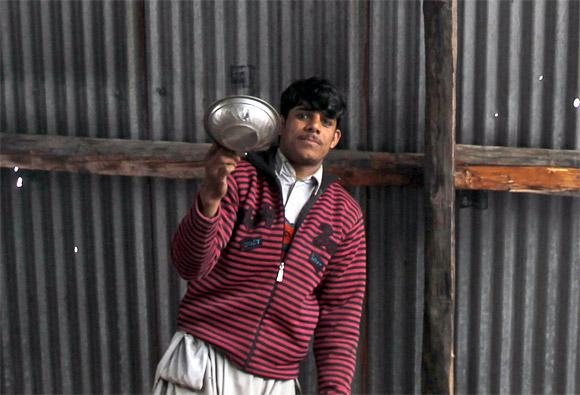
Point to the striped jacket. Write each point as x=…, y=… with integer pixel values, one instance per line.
x=234, y=260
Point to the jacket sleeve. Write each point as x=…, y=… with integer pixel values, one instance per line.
x=341, y=301
x=198, y=242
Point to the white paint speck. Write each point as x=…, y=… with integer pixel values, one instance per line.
x=496, y=115
x=19, y=182
x=76, y=249
x=541, y=77
x=16, y=169
x=576, y=102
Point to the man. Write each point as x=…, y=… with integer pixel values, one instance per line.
x=274, y=253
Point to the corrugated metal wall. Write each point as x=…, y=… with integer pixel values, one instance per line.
x=518, y=260
x=88, y=298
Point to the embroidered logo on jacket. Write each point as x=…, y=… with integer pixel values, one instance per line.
x=267, y=215
x=247, y=218
x=316, y=261
x=250, y=219
x=323, y=240
x=250, y=244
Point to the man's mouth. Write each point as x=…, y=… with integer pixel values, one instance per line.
x=312, y=139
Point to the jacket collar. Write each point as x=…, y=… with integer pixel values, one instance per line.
x=286, y=173
x=265, y=162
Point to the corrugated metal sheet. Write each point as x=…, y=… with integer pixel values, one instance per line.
x=89, y=299
x=518, y=262
x=518, y=295
x=519, y=73
x=79, y=312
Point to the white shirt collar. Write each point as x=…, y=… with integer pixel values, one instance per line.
x=285, y=171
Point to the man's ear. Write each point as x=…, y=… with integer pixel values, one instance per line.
x=282, y=125
x=335, y=138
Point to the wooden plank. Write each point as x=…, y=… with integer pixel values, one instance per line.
x=509, y=156
x=437, y=369
x=103, y=156
x=357, y=168
x=182, y=160
x=51, y=149
x=563, y=181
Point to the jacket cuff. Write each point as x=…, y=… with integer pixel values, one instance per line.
x=204, y=221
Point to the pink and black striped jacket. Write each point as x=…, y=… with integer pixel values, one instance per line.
x=232, y=263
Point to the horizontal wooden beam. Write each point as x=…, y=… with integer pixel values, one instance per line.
x=181, y=160
x=103, y=156
x=508, y=156
x=548, y=171
x=539, y=179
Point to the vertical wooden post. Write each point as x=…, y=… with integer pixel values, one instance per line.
x=437, y=374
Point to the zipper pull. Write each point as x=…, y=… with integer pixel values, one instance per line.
x=280, y=273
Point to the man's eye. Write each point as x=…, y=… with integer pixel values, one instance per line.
x=302, y=116
x=328, y=122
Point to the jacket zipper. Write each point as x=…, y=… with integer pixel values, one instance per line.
x=281, y=266
x=279, y=278
x=280, y=275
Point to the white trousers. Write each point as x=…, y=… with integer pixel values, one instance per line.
x=192, y=366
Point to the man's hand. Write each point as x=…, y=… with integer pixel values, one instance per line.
x=220, y=162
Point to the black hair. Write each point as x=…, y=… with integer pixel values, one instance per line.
x=315, y=94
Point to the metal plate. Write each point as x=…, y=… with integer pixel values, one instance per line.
x=243, y=123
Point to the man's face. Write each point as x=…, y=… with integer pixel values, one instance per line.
x=307, y=137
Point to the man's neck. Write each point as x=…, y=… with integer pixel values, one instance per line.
x=303, y=172
x=300, y=172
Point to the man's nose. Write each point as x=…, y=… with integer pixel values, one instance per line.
x=314, y=123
